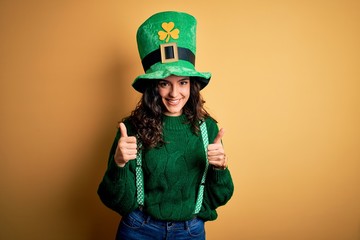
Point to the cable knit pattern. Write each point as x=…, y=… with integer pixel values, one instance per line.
x=172, y=175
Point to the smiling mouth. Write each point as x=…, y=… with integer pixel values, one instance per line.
x=173, y=101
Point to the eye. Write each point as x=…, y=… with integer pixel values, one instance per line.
x=184, y=82
x=163, y=84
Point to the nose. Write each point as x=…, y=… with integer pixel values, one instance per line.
x=174, y=91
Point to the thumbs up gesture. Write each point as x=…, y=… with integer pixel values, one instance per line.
x=216, y=153
x=126, y=149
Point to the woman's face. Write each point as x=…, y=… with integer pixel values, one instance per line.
x=174, y=92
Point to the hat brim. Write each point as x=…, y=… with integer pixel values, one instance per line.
x=142, y=81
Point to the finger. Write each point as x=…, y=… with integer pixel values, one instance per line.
x=126, y=145
x=215, y=154
x=123, y=130
x=219, y=136
x=218, y=161
x=215, y=147
x=131, y=152
x=128, y=140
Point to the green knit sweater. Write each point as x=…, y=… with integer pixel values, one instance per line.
x=172, y=174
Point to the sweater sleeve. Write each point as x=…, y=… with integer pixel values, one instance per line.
x=117, y=190
x=219, y=186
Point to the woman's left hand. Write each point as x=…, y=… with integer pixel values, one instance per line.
x=216, y=153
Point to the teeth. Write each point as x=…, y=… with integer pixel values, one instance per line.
x=173, y=101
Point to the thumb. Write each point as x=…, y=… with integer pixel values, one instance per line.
x=123, y=130
x=219, y=136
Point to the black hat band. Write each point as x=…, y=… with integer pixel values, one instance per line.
x=168, y=53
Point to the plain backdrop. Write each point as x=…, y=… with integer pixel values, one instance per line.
x=285, y=86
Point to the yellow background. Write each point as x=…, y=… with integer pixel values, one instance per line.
x=285, y=86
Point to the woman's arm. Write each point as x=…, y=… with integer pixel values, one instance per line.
x=219, y=185
x=117, y=189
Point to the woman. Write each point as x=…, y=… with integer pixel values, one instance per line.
x=163, y=177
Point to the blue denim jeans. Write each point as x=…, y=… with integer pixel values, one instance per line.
x=138, y=225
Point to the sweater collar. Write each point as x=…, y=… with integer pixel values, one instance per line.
x=175, y=123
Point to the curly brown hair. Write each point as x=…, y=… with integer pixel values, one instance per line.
x=147, y=116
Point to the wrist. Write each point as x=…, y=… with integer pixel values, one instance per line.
x=220, y=168
x=119, y=163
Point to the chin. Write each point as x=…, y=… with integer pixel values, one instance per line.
x=173, y=113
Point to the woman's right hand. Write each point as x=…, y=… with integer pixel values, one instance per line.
x=126, y=149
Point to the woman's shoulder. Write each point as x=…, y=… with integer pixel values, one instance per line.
x=210, y=120
x=211, y=123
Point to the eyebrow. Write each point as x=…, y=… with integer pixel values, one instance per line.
x=181, y=79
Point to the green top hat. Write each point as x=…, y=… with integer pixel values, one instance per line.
x=167, y=46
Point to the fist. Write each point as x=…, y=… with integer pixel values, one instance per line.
x=126, y=149
x=216, y=153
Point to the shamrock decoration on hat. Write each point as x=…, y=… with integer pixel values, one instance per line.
x=169, y=32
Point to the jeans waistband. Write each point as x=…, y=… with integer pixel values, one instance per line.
x=174, y=224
